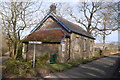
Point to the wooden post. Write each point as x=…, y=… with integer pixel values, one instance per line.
x=34, y=56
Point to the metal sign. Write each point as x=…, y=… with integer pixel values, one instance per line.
x=35, y=42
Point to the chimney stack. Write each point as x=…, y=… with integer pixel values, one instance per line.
x=53, y=8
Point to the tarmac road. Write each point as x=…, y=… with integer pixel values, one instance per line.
x=100, y=68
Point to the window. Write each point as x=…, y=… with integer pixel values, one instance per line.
x=77, y=43
x=91, y=45
x=84, y=45
x=63, y=46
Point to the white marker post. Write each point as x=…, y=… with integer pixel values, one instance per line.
x=34, y=54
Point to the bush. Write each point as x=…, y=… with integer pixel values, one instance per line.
x=104, y=52
x=108, y=52
x=3, y=54
x=98, y=52
x=42, y=59
x=17, y=68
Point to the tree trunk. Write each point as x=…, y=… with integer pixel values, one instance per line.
x=14, y=49
x=103, y=41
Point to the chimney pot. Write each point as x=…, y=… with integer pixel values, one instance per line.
x=53, y=8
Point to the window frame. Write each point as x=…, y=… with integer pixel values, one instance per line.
x=63, y=46
x=76, y=43
x=91, y=45
x=84, y=45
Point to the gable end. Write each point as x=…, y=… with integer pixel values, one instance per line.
x=46, y=17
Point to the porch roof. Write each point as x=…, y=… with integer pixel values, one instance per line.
x=45, y=36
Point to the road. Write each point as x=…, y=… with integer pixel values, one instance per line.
x=2, y=59
x=116, y=74
x=100, y=68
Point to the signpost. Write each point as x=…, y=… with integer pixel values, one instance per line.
x=34, y=56
x=34, y=42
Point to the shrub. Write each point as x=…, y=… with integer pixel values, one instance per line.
x=108, y=52
x=42, y=58
x=18, y=68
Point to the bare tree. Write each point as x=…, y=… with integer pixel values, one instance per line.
x=89, y=15
x=108, y=21
x=4, y=44
x=62, y=9
x=98, y=18
x=0, y=41
x=16, y=17
x=104, y=29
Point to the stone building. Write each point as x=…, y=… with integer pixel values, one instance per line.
x=56, y=35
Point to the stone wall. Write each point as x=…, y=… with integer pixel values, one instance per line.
x=41, y=50
x=74, y=49
x=77, y=50
x=64, y=56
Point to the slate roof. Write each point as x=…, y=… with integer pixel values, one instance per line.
x=45, y=36
x=67, y=25
x=75, y=28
